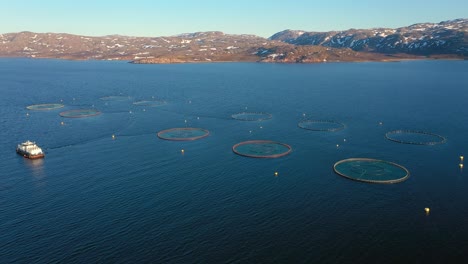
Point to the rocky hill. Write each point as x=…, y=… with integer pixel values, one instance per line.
x=190, y=47
x=203, y=46
x=448, y=37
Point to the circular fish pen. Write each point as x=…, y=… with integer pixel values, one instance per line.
x=44, y=107
x=252, y=116
x=150, y=103
x=371, y=170
x=414, y=137
x=321, y=125
x=261, y=149
x=80, y=113
x=183, y=134
x=114, y=98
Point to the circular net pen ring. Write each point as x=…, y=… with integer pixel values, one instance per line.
x=440, y=139
x=44, y=107
x=163, y=134
x=287, y=148
x=252, y=116
x=150, y=103
x=334, y=125
x=80, y=113
x=375, y=161
x=115, y=98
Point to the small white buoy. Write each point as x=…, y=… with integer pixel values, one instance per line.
x=27, y=114
x=261, y=127
x=113, y=136
x=190, y=101
x=198, y=118
x=276, y=173
x=380, y=123
x=144, y=110
x=250, y=131
x=303, y=114
x=344, y=140
x=461, y=165
x=337, y=145
x=461, y=158
x=130, y=112
x=62, y=123
x=427, y=210
x=185, y=120
x=182, y=151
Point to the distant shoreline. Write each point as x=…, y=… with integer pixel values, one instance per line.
x=395, y=59
x=398, y=59
x=444, y=40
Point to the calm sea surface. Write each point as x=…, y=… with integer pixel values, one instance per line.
x=137, y=198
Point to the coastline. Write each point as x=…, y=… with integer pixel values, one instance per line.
x=381, y=58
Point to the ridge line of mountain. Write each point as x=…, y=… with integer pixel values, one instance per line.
x=447, y=39
x=425, y=39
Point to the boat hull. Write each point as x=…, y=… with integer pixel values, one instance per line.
x=29, y=156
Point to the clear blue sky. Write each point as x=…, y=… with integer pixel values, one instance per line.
x=259, y=17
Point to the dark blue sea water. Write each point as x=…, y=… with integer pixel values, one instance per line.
x=137, y=198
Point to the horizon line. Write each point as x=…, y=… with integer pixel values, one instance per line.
x=225, y=33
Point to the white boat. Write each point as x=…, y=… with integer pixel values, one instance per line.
x=30, y=150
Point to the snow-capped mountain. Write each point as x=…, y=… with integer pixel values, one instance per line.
x=447, y=37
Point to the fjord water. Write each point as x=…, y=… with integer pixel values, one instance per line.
x=138, y=198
